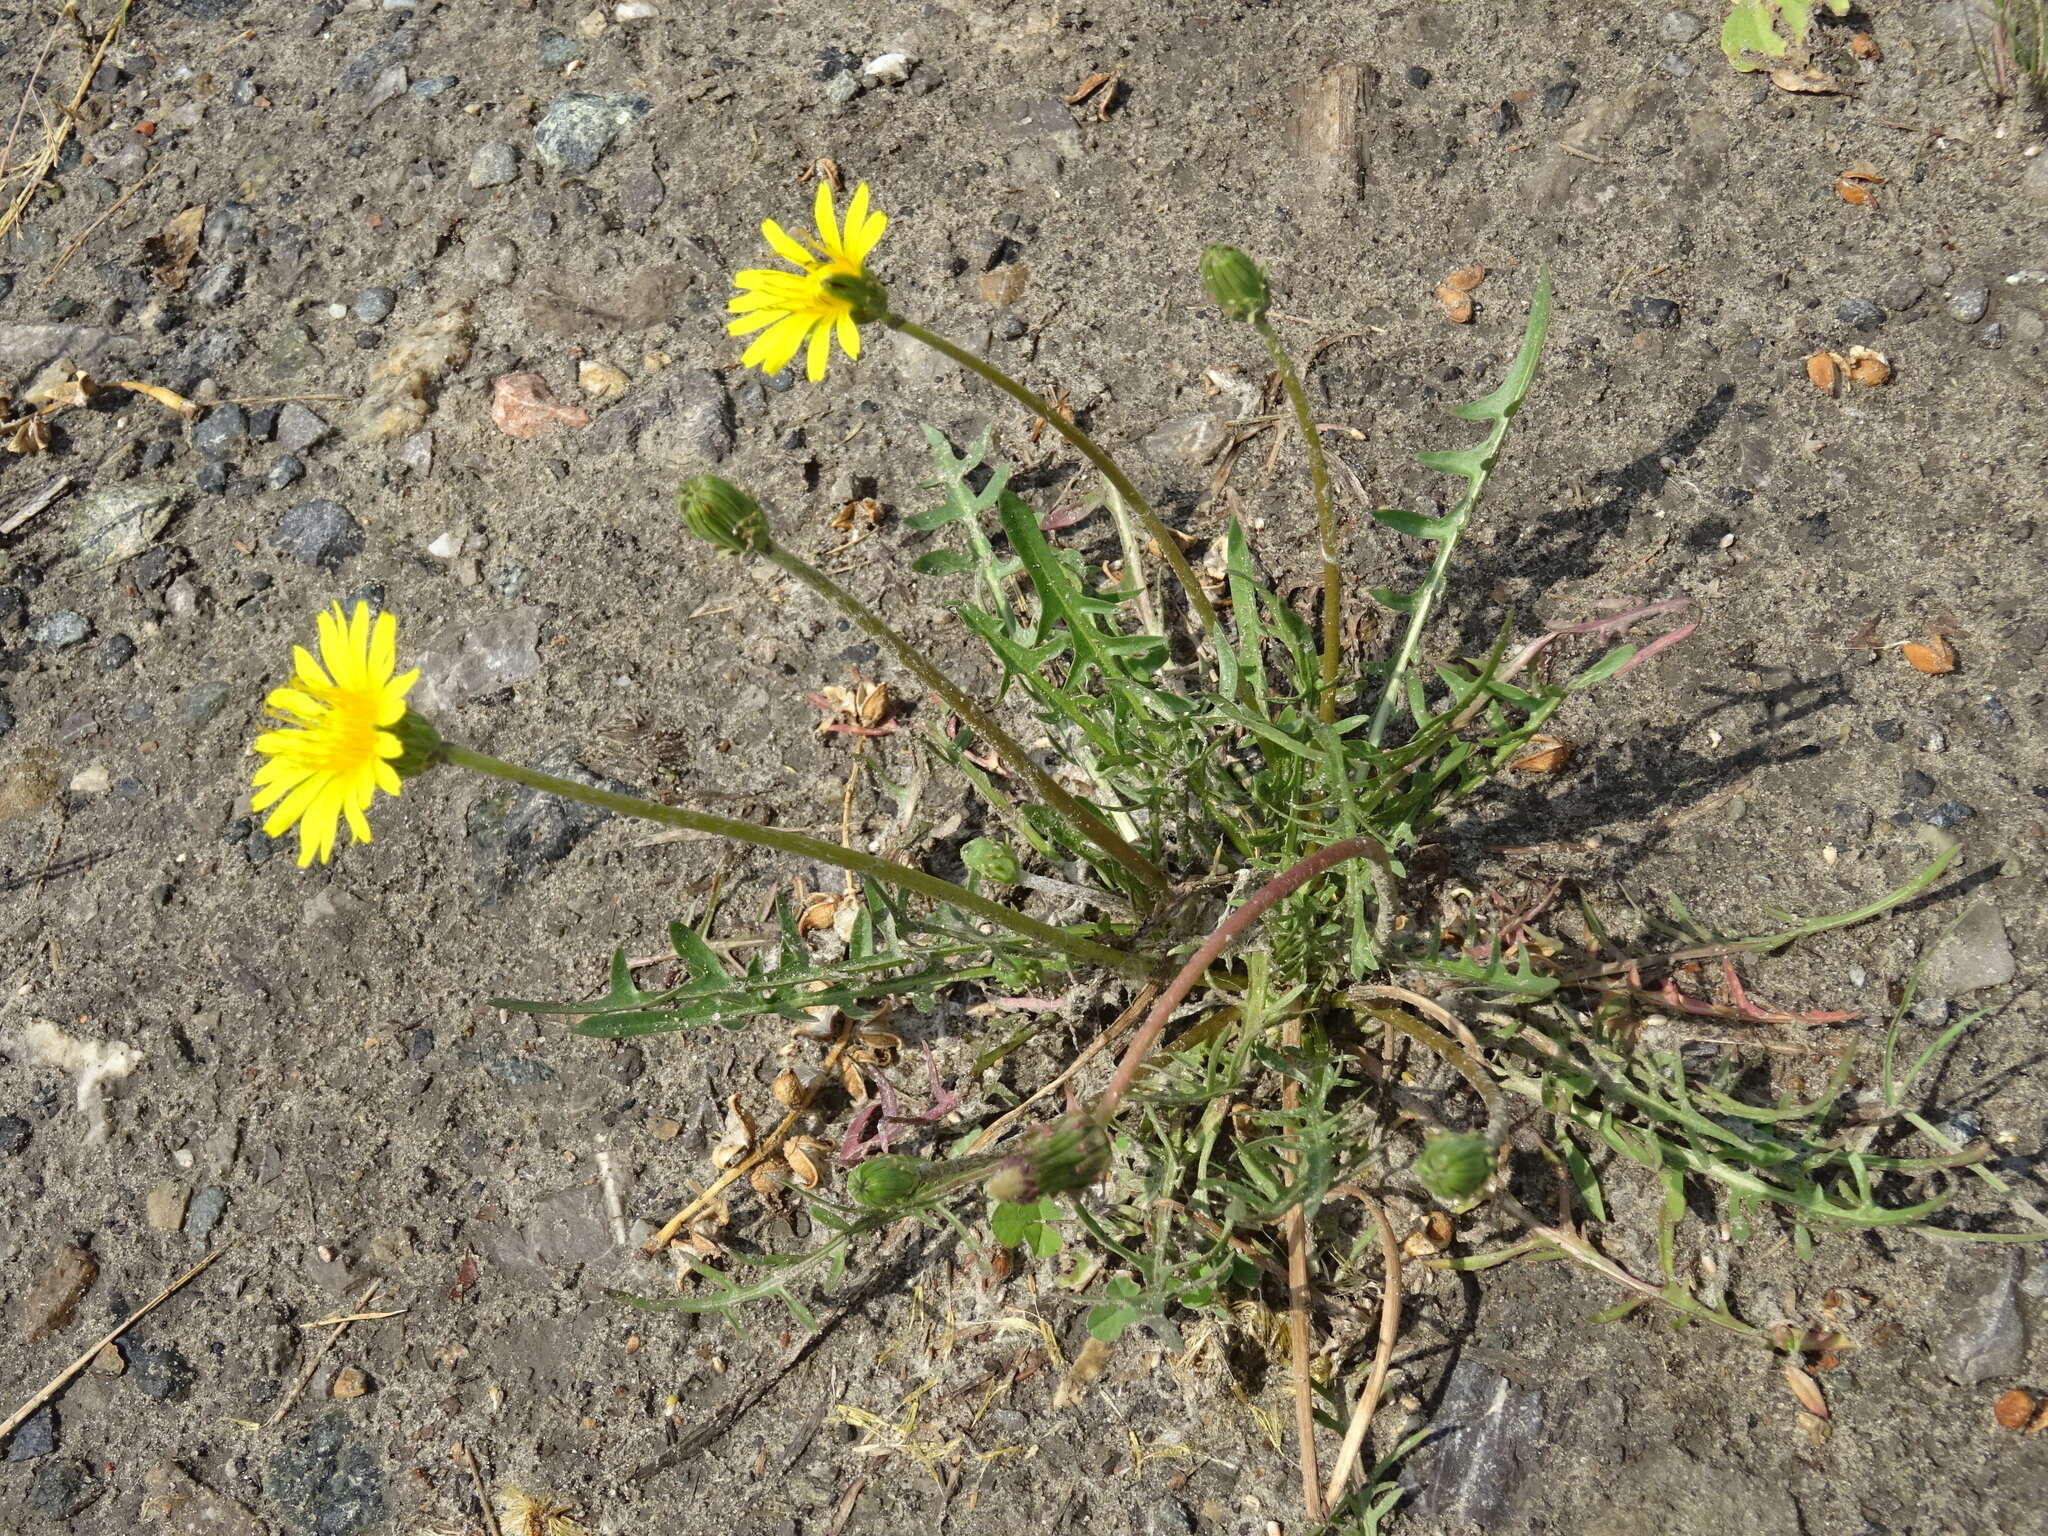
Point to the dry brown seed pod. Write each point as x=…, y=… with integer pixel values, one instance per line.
x=1825, y=370
x=2013, y=1409
x=766, y=1179
x=1934, y=658
x=818, y=912
x=1869, y=368
x=881, y=1039
x=738, y=1138
x=1864, y=46
x=1465, y=279
x=1807, y=1390
x=788, y=1088
x=850, y=1078
x=1457, y=304
x=31, y=436
x=873, y=707
x=1545, y=754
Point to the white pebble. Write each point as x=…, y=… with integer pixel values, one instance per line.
x=337, y=311
x=890, y=68
x=90, y=781
x=636, y=10
x=446, y=547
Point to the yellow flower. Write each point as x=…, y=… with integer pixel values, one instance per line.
x=338, y=747
x=788, y=307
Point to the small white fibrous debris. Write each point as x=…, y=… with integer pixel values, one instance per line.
x=890, y=68
x=90, y=1062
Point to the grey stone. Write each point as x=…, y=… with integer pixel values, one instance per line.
x=227, y=228
x=202, y=702
x=1678, y=66
x=494, y=258
x=416, y=453
x=221, y=432
x=1556, y=98
x=459, y=662
x=842, y=88
x=212, y=478
x=1490, y=1437
x=641, y=193
x=118, y=524
x=191, y=1509
x=555, y=50
x=371, y=65
x=373, y=306
x=1654, y=313
x=62, y=1488
x=1950, y=813
x=1990, y=335
x=286, y=470
x=329, y=1484
x=1986, y=1335
x=159, y=1369
x=216, y=285
x=1901, y=294
x=24, y=348
x=1975, y=953
x=60, y=630
x=1189, y=439
x=14, y=1134
x=299, y=429
x=434, y=85
x=1680, y=27
x=493, y=165
x=1861, y=314
x=1969, y=302
x=320, y=533
x=579, y=127
x=37, y=1436
x=514, y=832
x=205, y=1212
x=2034, y=180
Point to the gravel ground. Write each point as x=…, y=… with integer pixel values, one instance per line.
x=334, y=229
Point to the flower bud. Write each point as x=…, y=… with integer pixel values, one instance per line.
x=868, y=299
x=421, y=744
x=720, y=512
x=1234, y=282
x=884, y=1181
x=1455, y=1166
x=1067, y=1155
x=995, y=862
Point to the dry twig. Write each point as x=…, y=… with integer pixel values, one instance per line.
x=1390, y=1327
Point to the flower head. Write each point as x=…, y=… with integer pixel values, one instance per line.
x=1235, y=283
x=720, y=511
x=341, y=739
x=830, y=292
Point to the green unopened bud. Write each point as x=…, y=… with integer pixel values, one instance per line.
x=719, y=511
x=1235, y=284
x=421, y=744
x=885, y=1181
x=1455, y=1166
x=995, y=862
x=868, y=299
x=1067, y=1155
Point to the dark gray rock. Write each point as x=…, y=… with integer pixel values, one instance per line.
x=37, y=1436
x=434, y=85
x=579, y=127
x=493, y=165
x=1556, y=98
x=1969, y=302
x=299, y=429
x=227, y=228
x=1950, y=813
x=1861, y=314
x=1853, y=819
x=556, y=50
x=320, y=533
x=14, y=1134
x=1916, y=784
x=329, y=1484
x=1489, y=1438
x=1986, y=1336
x=62, y=1488
x=1901, y=294
x=373, y=306
x=223, y=430
x=285, y=471
x=212, y=478
x=263, y=423
x=159, y=1370
x=216, y=285
x=365, y=68
x=515, y=832
x=60, y=630
x=1654, y=314
x=205, y=1212
x=202, y=702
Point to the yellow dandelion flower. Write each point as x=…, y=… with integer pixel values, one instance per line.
x=788, y=308
x=338, y=746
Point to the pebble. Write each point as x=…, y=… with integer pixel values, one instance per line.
x=1419, y=77
x=2034, y=180
x=202, y=702
x=373, y=306
x=263, y=423
x=1889, y=730
x=1678, y=66
x=1861, y=315
x=37, y=1436
x=579, y=127
x=60, y=630
x=841, y=89
x=1917, y=785
x=494, y=258
x=1950, y=813
x=53, y=1296
x=493, y=165
x=516, y=831
x=1974, y=954
x=62, y=1489
x=181, y=598
x=216, y=285
x=320, y=533
x=329, y=1484
x=208, y=1206
x=93, y=779
x=299, y=429
x=1656, y=314
x=164, y=1206
x=1990, y=335
x=1853, y=819
x=433, y=85
x=890, y=68
x=1969, y=302
x=1680, y=27
x=1902, y=293
x=1987, y=1337
x=1191, y=439
x=227, y=228
x=212, y=478
x=1556, y=98
x=191, y=1509
x=14, y=1134
x=159, y=1370
x=285, y=470
x=556, y=50
x=458, y=663
x=221, y=432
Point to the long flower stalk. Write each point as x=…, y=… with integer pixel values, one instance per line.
x=1326, y=515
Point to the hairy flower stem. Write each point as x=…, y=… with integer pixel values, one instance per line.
x=1148, y=875
x=1283, y=885
x=802, y=846
x=1169, y=549
x=1326, y=516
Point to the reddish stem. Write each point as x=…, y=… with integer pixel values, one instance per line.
x=1155, y=1022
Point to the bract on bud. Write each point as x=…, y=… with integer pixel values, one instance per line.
x=1235, y=283
x=1067, y=1155
x=1454, y=1166
x=995, y=862
x=868, y=299
x=884, y=1181
x=720, y=512
x=422, y=744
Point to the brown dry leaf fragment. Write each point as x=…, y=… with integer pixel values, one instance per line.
x=1804, y=82
x=867, y=512
x=62, y=386
x=1826, y=370
x=1456, y=302
x=1864, y=46
x=523, y=406
x=1465, y=279
x=1855, y=192
x=172, y=249
x=805, y=1166
x=872, y=706
x=2013, y=1409
x=703, y=1247
x=738, y=1137
x=818, y=913
x=169, y=399
x=1869, y=368
x=1934, y=658
x=1088, y=87
x=1807, y=1390
x=30, y=436
x=1005, y=285
x=1545, y=754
